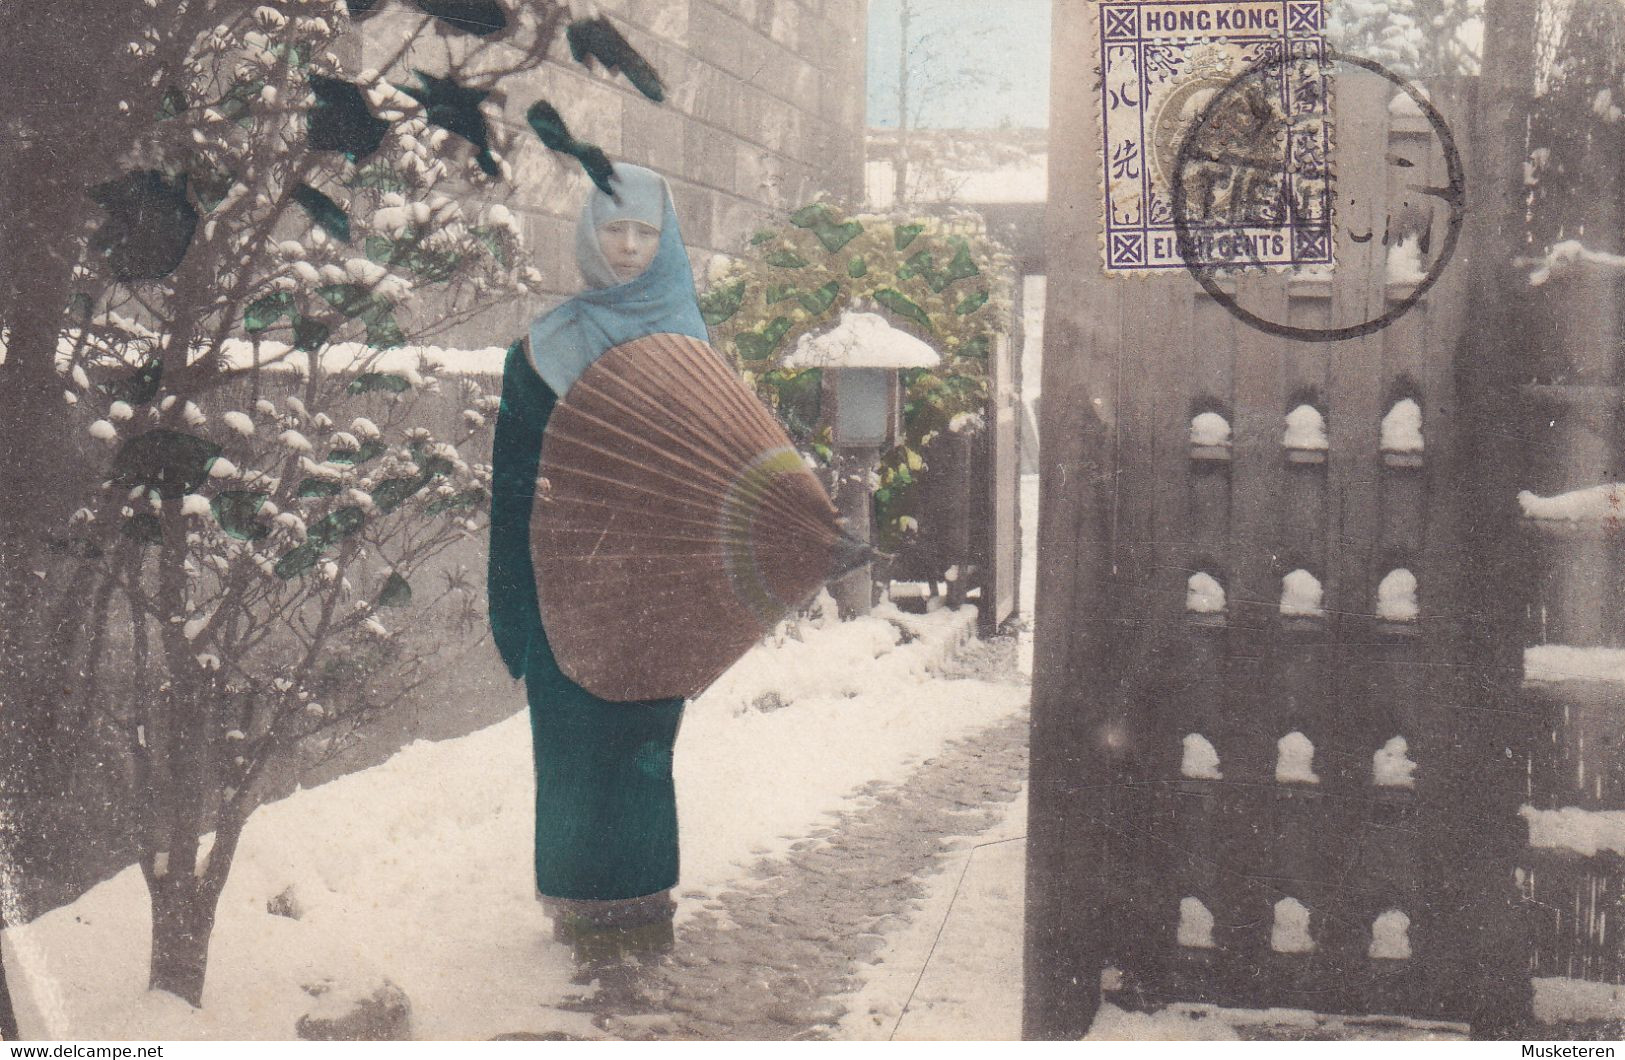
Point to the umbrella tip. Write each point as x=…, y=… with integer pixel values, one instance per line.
x=850, y=554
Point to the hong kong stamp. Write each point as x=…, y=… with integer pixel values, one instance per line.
x=1235, y=96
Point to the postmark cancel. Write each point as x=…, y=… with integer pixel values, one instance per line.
x=1249, y=78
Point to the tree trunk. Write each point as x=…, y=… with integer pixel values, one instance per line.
x=183, y=910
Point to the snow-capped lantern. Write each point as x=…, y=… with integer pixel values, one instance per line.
x=861, y=356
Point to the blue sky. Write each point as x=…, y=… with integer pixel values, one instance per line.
x=1006, y=42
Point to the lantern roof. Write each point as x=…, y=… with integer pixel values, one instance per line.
x=862, y=340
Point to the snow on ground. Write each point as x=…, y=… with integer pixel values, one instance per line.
x=954, y=972
x=1577, y=1000
x=419, y=869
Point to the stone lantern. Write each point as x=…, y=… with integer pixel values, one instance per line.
x=862, y=403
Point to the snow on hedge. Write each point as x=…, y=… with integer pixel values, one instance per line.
x=1583, y=831
x=1592, y=502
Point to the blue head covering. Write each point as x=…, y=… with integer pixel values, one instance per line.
x=565, y=340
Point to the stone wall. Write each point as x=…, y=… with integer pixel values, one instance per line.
x=764, y=110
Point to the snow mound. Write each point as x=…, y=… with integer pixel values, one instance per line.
x=1301, y=595
x=1204, y=595
x=1391, y=937
x=1402, y=428
x=1396, y=597
x=1290, y=931
x=1200, y=761
x=1391, y=766
x=1209, y=428
x=1195, y=924
x=1305, y=429
x=1295, y=759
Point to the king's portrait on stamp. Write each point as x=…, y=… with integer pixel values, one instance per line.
x=1244, y=82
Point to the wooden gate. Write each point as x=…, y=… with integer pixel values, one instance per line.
x=1257, y=777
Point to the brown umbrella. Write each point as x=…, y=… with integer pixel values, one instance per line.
x=675, y=523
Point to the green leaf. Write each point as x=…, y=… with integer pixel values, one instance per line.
x=169, y=462
x=309, y=334
x=821, y=220
x=298, y=560
x=820, y=300
x=137, y=388
x=235, y=510
x=391, y=493
x=469, y=498
x=919, y=263
x=759, y=345
x=370, y=450
x=905, y=235
x=266, y=311
x=785, y=259
x=857, y=267
x=380, y=250
x=971, y=303
x=975, y=347
x=324, y=211
x=397, y=591
x=351, y=299
x=960, y=268
x=369, y=381
x=383, y=332
x=778, y=292
x=761, y=237
x=173, y=103
x=318, y=487
x=337, y=524
x=903, y=306
x=143, y=527
x=721, y=303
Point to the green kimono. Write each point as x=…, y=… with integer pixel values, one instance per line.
x=606, y=812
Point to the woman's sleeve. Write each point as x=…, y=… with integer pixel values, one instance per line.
x=515, y=455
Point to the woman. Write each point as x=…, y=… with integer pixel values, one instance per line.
x=606, y=813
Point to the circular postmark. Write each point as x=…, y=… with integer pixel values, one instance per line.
x=1221, y=173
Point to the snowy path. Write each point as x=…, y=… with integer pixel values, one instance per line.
x=771, y=957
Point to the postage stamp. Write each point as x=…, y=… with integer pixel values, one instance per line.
x=1224, y=106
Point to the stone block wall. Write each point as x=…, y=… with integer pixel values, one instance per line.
x=764, y=110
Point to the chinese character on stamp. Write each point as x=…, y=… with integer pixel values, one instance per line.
x=1216, y=134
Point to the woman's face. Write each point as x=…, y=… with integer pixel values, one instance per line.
x=629, y=247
